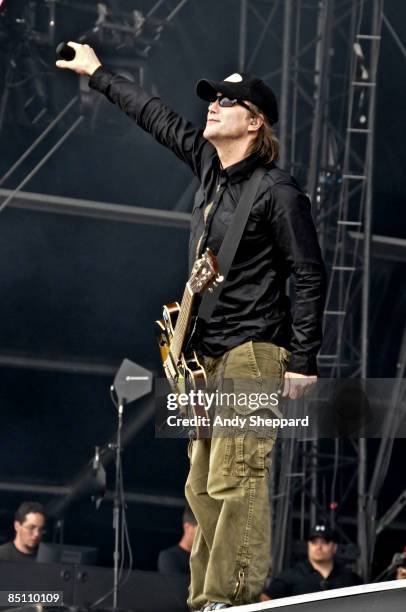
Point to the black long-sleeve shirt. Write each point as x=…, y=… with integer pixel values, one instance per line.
x=279, y=239
x=174, y=560
x=303, y=578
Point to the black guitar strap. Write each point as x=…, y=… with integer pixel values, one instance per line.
x=231, y=240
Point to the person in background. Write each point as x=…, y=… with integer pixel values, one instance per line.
x=175, y=560
x=399, y=565
x=29, y=526
x=319, y=572
x=401, y=572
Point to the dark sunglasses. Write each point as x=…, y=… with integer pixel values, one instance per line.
x=226, y=102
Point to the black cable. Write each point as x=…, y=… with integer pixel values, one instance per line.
x=113, y=399
x=121, y=552
x=124, y=533
x=334, y=479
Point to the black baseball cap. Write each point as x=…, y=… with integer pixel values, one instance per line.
x=242, y=86
x=323, y=531
x=399, y=560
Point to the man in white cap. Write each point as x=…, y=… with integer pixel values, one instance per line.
x=319, y=572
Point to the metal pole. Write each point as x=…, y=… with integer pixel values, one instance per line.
x=6, y=92
x=342, y=247
x=38, y=140
x=51, y=21
x=117, y=504
x=314, y=488
x=363, y=531
x=242, y=47
x=284, y=497
x=395, y=37
x=41, y=163
x=284, y=113
x=322, y=62
x=362, y=539
x=43, y=202
x=303, y=447
x=295, y=92
x=377, y=19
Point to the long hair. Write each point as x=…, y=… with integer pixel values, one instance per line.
x=266, y=143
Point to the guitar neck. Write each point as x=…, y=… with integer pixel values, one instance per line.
x=182, y=323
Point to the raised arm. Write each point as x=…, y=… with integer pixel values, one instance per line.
x=167, y=127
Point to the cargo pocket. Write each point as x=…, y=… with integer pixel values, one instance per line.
x=233, y=463
x=253, y=456
x=246, y=456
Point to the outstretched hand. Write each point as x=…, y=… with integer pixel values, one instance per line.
x=296, y=385
x=84, y=62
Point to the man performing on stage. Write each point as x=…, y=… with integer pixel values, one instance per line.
x=251, y=334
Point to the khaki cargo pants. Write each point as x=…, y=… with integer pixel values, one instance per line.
x=227, y=487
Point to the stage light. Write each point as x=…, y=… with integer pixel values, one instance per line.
x=2, y=4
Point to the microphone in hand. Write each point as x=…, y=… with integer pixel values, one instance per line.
x=79, y=58
x=65, y=52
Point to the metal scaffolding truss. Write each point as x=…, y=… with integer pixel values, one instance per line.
x=297, y=499
x=354, y=208
x=323, y=63
x=308, y=66
x=130, y=25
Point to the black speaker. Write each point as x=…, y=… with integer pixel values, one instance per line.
x=83, y=585
x=25, y=576
x=142, y=592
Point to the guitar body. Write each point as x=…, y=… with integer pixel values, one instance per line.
x=182, y=367
x=188, y=374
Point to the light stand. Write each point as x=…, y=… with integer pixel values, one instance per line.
x=117, y=504
x=131, y=382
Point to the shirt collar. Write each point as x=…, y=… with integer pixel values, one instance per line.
x=241, y=170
